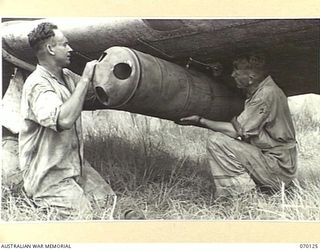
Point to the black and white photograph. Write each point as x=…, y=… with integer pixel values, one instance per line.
x=114, y=118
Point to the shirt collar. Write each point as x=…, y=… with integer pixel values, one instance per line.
x=46, y=73
x=267, y=80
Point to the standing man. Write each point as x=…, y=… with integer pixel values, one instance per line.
x=51, y=144
x=258, y=147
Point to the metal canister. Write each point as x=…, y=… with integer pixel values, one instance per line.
x=129, y=80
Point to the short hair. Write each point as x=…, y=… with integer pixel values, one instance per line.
x=40, y=34
x=255, y=62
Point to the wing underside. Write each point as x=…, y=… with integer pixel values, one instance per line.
x=290, y=45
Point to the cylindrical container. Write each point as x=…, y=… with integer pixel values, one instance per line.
x=128, y=80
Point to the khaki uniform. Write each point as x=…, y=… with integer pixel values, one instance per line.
x=266, y=154
x=55, y=172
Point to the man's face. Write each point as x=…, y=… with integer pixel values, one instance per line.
x=61, y=48
x=242, y=78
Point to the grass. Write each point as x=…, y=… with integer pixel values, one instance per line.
x=159, y=168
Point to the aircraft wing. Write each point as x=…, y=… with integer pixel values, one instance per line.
x=292, y=45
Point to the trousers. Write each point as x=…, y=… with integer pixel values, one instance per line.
x=73, y=198
x=77, y=198
x=238, y=167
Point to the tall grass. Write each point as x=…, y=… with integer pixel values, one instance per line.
x=159, y=168
x=162, y=171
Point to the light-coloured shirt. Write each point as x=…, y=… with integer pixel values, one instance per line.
x=266, y=123
x=48, y=155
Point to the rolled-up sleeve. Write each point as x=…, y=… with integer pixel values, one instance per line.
x=45, y=105
x=252, y=119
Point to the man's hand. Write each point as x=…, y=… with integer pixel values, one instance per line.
x=190, y=120
x=89, y=71
x=71, y=109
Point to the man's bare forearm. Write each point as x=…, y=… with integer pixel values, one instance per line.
x=217, y=126
x=71, y=109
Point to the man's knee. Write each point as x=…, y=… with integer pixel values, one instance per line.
x=216, y=140
x=93, y=184
x=67, y=197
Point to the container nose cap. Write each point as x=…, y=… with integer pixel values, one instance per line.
x=116, y=77
x=122, y=71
